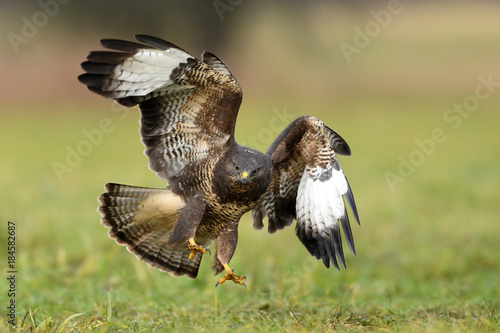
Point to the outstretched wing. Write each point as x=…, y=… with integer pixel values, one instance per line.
x=307, y=185
x=188, y=106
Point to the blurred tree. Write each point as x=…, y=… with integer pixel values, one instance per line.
x=200, y=21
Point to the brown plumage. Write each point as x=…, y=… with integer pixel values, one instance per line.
x=188, y=115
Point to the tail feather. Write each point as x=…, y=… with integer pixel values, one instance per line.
x=141, y=219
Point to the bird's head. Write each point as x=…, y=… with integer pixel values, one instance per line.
x=243, y=174
x=250, y=176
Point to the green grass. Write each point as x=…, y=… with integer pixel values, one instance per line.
x=427, y=252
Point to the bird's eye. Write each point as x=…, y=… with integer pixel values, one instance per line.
x=237, y=168
x=254, y=172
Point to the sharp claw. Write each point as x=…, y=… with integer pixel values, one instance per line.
x=195, y=249
x=232, y=277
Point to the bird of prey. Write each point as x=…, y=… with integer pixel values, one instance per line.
x=188, y=114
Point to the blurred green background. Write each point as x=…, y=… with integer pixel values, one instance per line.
x=385, y=75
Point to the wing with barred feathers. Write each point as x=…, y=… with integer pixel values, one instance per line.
x=308, y=185
x=188, y=107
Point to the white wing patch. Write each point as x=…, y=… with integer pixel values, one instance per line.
x=146, y=71
x=339, y=178
x=319, y=201
x=320, y=207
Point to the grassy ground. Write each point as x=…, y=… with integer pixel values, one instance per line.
x=427, y=249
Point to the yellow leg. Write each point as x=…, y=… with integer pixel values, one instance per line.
x=196, y=248
x=230, y=276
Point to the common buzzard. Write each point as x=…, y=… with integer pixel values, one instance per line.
x=188, y=114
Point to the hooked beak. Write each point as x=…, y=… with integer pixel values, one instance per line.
x=244, y=177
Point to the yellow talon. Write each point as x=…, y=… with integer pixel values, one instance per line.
x=195, y=248
x=231, y=276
